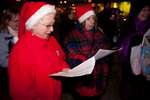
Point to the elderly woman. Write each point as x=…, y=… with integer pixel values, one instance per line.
x=36, y=55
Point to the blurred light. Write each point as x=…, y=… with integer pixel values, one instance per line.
x=65, y=1
x=93, y=5
x=100, y=7
x=125, y=7
x=124, y=19
x=114, y=5
x=89, y=1
x=73, y=7
x=18, y=0
x=60, y=2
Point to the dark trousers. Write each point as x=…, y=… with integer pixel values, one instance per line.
x=4, y=84
x=134, y=87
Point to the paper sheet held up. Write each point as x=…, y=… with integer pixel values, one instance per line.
x=87, y=66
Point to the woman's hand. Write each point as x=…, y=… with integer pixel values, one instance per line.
x=66, y=70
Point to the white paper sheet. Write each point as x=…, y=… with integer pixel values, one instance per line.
x=102, y=53
x=82, y=69
x=87, y=66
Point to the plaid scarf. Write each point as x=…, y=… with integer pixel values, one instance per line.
x=79, y=46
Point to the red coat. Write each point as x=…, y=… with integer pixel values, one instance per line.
x=31, y=61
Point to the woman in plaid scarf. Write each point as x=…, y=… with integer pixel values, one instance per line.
x=82, y=43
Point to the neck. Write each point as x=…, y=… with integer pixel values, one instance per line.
x=12, y=31
x=42, y=36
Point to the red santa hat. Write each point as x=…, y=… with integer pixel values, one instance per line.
x=31, y=13
x=83, y=12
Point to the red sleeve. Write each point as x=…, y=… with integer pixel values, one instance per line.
x=21, y=76
x=62, y=55
x=22, y=19
x=31, y=61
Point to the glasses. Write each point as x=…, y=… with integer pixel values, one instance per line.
x=47, y=26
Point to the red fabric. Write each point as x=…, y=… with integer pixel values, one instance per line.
x=22, y=19
x=77, y=56
x=80, y=10
x=97, y=87
x=31, y=61
x=28, y=9
x=81, y=46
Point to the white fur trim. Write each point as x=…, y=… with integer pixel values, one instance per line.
x=86, y=15
x=39, y=14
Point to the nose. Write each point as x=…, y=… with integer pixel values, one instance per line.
x=51, y=29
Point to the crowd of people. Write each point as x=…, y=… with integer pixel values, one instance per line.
x=36, y=41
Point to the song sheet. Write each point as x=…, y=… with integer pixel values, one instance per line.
x=87, y=66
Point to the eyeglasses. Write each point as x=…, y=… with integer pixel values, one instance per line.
x=47, y=26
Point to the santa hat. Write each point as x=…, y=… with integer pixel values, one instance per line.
x=83, y=12
x=31, y=13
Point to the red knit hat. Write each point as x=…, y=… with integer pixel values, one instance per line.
x=31, y=13
x=83, y=12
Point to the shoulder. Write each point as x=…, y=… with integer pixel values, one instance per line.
x=53, y=41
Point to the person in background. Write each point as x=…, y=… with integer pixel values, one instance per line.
x=82, y=43
x=36, y=55
x=107, y=20
x=64, y=23
x=132, y=86
x=8, y=37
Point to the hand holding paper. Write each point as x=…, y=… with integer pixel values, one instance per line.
x=80, y=70
x=87, y=66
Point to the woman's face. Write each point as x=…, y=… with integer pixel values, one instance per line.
x=45, y=26
x=14, y=22
x=89, y=23
x=144, y=13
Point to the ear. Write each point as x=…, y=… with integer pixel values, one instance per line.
x=35, y=26
x=33, y=29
